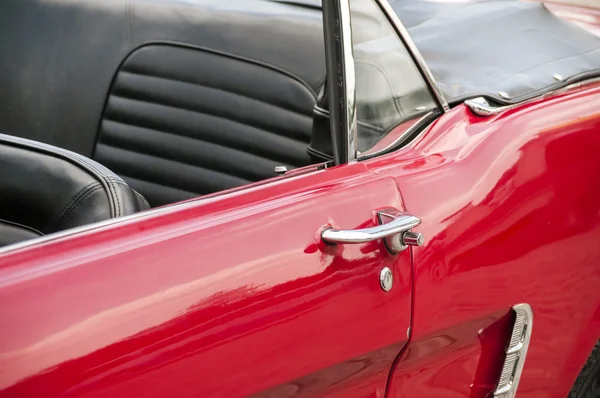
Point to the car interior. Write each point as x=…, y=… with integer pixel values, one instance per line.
x=109, y=108
x=47, y=189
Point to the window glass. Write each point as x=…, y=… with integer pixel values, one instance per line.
x=390, y=90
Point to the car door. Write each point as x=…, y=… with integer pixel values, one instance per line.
x=230, y=296
x=280, y=289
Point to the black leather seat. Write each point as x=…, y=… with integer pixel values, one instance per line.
x=45, y=189
x=179, y=98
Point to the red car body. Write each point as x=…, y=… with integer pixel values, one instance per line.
x=236, y=295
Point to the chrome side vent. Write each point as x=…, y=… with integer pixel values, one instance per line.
x=516, y=352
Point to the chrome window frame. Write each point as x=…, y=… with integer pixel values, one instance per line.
x=420, y=124
x=337, y=28
x=339, y=60
x=414, y=52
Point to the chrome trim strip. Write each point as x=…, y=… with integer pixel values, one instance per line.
x=419, y=124
x=414, y=51
x=341, y=80
x=141, y=216
x=350, y=75
x=481, y=107
x=516, y=352
x=583, y=82
x=91, y=227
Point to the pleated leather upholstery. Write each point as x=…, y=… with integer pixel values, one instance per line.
x=182, y=121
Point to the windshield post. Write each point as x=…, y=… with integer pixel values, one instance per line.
x=341, y=83
x=414, y=53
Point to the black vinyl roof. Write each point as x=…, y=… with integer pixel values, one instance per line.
x=498, y=46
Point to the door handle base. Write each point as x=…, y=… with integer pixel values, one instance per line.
x=398, y=242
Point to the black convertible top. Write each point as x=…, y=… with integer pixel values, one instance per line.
x=492, y=46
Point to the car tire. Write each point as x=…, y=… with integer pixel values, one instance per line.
x=587, y=384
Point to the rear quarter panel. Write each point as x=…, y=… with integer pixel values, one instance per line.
x=510, y=206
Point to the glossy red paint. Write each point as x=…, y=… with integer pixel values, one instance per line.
x=510, y=206
x=229, y=296
x=233, y=295
x=584, y=16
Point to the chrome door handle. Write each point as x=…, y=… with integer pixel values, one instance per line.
x=394, y=228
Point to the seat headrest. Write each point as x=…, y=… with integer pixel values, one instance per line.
x=44, y=189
